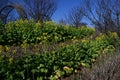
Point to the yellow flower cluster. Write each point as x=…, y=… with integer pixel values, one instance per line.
x=44, y=34
x=10, y=60
x=7, y=48
x=14, y=51
x=37, y=25
x=84, y=40
x=83, y=64
x=74, y=40
x=66, y=68
x=93, y=60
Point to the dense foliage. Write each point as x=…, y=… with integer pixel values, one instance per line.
x=18, y=32
x=82, y=50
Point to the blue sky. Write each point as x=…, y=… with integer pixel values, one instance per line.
x=63, y=8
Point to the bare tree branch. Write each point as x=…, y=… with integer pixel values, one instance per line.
x=104, y=14
x=41, y=10
x=75, y=16
x=5, y=11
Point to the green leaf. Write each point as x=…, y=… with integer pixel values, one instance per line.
x=55, y=67
x=44, y=70
x=39, y=78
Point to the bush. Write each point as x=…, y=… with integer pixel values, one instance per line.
x=30, y=32
x=68, y=58
x=1, y=32
x=110, y=37
x=54, y=64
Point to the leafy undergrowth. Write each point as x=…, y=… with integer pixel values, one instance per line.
x=106, y=67
x=48, y=52
x=19, y=32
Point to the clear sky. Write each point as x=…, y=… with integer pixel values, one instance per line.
x=63, y=8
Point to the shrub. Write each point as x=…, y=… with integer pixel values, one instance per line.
x=110, y=37
x=49, y=64
x=1, y=32
x=54, y=64
x=30, y=32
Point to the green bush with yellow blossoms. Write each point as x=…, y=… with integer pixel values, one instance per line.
x=49, y=51
x=15, y=33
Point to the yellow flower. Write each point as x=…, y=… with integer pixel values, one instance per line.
x=66, y=27
x=56, y=77
x=100, y=37
x=93, y=60
x=66, y=68
x=1, y=46
x=24, y=45
x=14, y=51
x=90, y=37
x=74, y=40
x=76, y=70
x=17, y=24
x=83, y=41
x=38, y=38
x=7, y=48
x=40, y=43
x=37, y=24
x=56, y=38
x=114, y=34
x=45, y=38
x=74, y=37
x=83, y=64
x=10, y=60
x=56, y=27
x=44, y=33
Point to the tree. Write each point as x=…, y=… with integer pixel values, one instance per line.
x=104, y=14
x=7, y=9
x=3, y=3
x=40, y=10
x=75, y=16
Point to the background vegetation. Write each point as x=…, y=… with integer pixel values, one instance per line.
x=40, y=51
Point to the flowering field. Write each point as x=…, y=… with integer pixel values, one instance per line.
x=49, y=51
